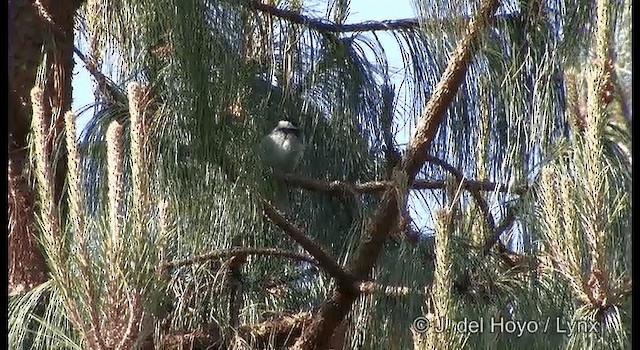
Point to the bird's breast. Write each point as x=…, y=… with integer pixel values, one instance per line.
x=285, y=142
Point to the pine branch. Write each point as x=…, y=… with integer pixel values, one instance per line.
x=279, y=331
x=370, y=287
x=234, y=283
x=324, y=260
x=469, y=185
x=219, y=254
x=333, y=188
x=107, y=87
x=104, y=83
x=287, y=280
x=327, y=27
x=391, y=153
x=337, y=188
x=506, y=224
x=474, y=193
x=338, y=306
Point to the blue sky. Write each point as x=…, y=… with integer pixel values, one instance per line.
x=360, y=11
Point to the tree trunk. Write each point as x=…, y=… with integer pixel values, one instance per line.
x=33, y=26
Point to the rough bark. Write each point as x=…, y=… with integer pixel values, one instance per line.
x=26, y=263
x=34, y=25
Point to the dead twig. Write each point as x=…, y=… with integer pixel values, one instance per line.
x=220, y=254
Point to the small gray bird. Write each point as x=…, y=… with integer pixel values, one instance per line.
x=283, y=147
x=281, y=150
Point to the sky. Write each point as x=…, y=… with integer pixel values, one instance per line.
x=360, y=11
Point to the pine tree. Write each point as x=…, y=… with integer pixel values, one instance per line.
x=505, y=218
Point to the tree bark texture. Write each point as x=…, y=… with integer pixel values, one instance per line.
x=37, y=30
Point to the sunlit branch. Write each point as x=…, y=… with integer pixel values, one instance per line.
x=324, y=260
x=219, y=254
x=336, y=187
x=474, y=193
x=370, y=287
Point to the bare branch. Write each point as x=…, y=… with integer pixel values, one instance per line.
x=219, y=254
x=326, y=27
x=333, y=188
x=336, y=187
x=506, y=224
x=105, y=84
x=324, y=260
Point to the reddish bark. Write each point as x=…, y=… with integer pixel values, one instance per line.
x=33, y=26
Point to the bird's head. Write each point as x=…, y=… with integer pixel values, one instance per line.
x=287, y=127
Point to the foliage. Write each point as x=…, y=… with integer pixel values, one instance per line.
x=166, y=182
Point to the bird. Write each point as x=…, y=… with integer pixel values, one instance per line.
x=281, y=151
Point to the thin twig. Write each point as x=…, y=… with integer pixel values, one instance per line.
x=104, y=83
x=506, y=224
x=219, y=254
x=324, y=260
x=474, y=193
